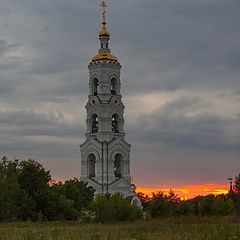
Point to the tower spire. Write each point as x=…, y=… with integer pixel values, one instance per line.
x=104, y=32
x=104, y=7
x=104, y=53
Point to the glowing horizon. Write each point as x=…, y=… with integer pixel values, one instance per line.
x=189, y=191
x=183, y=192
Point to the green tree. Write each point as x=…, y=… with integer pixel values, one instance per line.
x=34, y=181
x=14, y=202
x=202, y=205
x=162, y=204
x=65, y=200
x=79, y=193
x=65, y=209
x=158, y=205
x=9, y=190
x=229, y=207
x=25, y=193
x=222, y=206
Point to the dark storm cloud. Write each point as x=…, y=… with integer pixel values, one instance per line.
x=190, y=37
x=188, y=48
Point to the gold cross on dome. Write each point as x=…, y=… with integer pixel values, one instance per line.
x=104, y=7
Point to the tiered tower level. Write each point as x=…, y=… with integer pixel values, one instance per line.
x=105, y=155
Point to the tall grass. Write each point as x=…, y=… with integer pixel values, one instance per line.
x=165, y=229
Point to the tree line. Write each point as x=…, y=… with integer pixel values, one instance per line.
x=27, y=192
x=169, y=205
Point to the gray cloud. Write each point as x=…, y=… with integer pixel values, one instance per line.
x=186, y=49
x=30, y=123
x=174, y=126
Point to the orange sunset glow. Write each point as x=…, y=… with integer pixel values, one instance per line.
x=188, y=192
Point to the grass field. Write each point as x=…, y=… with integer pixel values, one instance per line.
x=167, y=229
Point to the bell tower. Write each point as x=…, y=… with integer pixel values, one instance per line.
x=105, y=155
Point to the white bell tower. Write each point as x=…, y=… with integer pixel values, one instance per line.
x=105, y=155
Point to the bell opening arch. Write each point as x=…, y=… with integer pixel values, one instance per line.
x=117, y=167
x=94, y=123
x=115, y=123
x=95, y=83
x=91, y=165
x=114, y=86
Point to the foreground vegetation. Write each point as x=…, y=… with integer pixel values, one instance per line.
x=187, y=228
x=27, y=193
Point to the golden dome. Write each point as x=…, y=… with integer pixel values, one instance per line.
x=104, y=57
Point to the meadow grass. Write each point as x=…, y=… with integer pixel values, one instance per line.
x=163, y=229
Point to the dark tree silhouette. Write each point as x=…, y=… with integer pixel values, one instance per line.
x=237, y=183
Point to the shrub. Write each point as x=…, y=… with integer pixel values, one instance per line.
x=114, y=208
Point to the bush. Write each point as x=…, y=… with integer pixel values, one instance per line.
x=161, y=205
x=114, y=208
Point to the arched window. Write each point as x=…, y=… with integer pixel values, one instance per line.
x=115, y=124
x=91, y=165
x=114, y=86
x=95, y=86
x=118, y=165
x=95, y=123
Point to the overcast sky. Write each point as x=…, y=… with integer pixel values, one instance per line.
x=180, y=84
